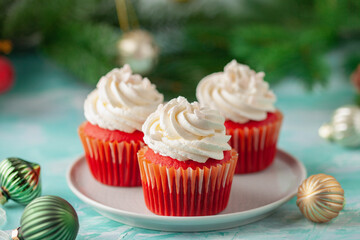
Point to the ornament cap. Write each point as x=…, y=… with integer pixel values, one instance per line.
x=36, y=168
x=326, y=131
x=15, y=234
x=3, y=196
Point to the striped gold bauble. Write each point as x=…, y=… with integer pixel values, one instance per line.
x=320, y=198
x=19, y=180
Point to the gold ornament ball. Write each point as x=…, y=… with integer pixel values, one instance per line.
x=320, y=198
x=138, y=49
x=344, y=127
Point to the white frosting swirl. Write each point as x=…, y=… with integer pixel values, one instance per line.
x=185, y=131
x=239, y=93
x=122, y=101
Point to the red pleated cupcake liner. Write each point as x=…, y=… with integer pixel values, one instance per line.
x=256, y=146
x=186, y=192
x=111, y=162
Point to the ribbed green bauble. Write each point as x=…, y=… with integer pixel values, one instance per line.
x=19, y=180
x=48, y=217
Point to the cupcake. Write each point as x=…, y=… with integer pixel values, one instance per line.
x=112, y=136
x=245, y=100
x=188, y=166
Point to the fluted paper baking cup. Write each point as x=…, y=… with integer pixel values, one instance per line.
x=186, y=192
x=256, y=146
x=111, y=162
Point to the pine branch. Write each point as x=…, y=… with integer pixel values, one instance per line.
x=25, y=17
x=20, y=19
x=88, y=50
x=357, y=99
x=351, y=63
x=281, y=37
x=173, y=77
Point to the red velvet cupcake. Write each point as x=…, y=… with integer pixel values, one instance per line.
x=188, y=167
x=244, y=99
x=112, y=135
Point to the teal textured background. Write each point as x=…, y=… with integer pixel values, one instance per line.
x=39, y=119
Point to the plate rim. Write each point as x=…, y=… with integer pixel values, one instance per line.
x=99, y=205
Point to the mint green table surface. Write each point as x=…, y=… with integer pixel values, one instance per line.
x=39, y=119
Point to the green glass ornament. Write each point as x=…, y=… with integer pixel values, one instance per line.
x=19, y=181
x=48, y=217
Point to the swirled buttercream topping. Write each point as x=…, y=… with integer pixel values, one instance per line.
x=239, y=93
x=122, y=101
x=184, y=131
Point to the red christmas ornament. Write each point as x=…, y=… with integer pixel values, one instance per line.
x=6, y=74
x=355, y=78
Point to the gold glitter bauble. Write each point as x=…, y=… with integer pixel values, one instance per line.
x=320, y=198
x=344, y=127
x=138, y=49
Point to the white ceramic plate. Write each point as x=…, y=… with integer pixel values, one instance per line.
x=253, y=197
